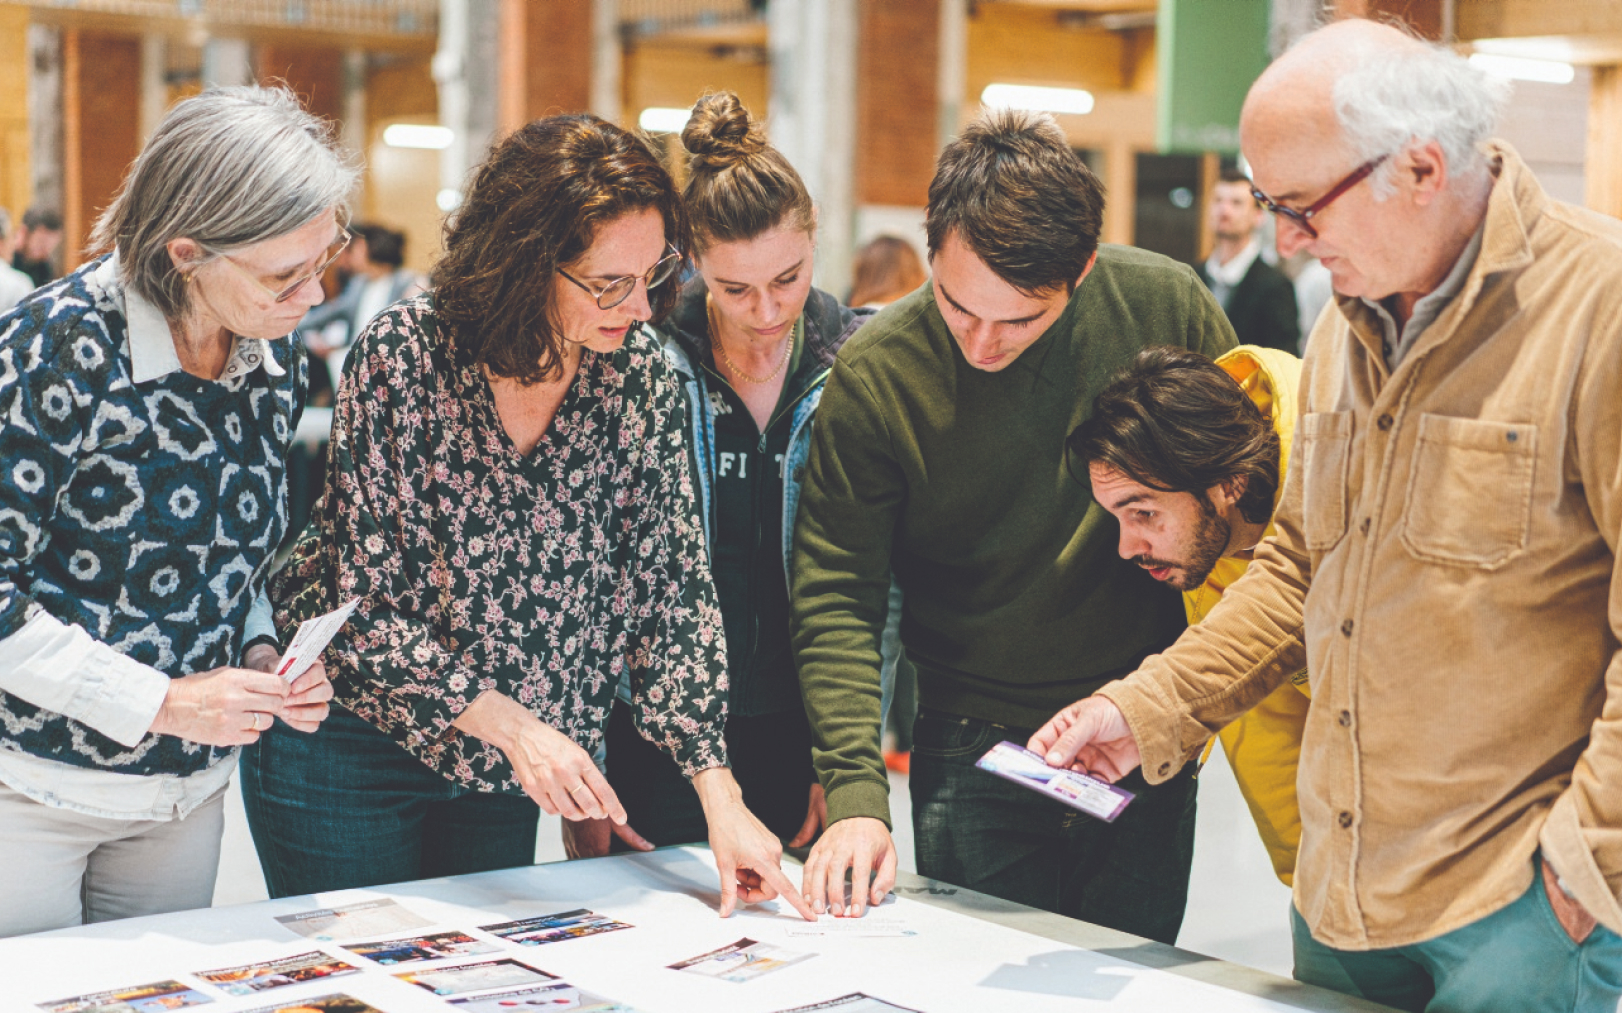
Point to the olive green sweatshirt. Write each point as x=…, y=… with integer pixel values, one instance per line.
x=1016, y=602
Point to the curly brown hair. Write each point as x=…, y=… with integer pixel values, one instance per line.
x=536, y=204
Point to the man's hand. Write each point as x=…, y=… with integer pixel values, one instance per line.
x=551, y=769
x=1573, y=917
x=220, y=707
x=748, y=857
x=591, y=838
x=861, y=846
x=816, y=818
x=1089, y=735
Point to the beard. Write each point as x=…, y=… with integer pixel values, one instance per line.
x=1205, y=550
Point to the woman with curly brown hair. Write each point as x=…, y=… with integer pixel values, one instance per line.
x=509, y=499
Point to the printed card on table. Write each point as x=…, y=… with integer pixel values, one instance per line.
x=354, y=921
x=295, y=970
x=486, y=974
x=554, y=928
x=856, y=1002
x=337, y=1003
x=151, y=998
x=1096, y=798
x=744, y=960
x=430, y=947
x=876, y=924
x=560, y=996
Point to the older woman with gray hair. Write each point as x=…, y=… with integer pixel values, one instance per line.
x=149, y=400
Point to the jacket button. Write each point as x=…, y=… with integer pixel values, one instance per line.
x=1364, y=527
x=1165, y=768
x=1345, y=719
x=1345, y=820
x=1384, y=422
x=1346, y=627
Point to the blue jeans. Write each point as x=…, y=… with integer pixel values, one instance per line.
x=347, y=807
x=976, y=830
x=1515, y=960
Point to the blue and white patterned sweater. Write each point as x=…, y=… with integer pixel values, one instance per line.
x=147, y=513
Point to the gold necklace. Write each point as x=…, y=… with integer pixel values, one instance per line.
x=715, y=339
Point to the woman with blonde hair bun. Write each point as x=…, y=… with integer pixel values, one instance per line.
x=752, y=343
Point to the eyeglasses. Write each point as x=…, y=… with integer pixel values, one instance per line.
x=284, y=294
x=1303, y=218
x=619, y=289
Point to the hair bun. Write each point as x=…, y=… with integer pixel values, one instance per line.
x=720, y=133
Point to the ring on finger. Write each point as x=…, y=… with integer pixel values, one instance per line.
x=577, y=787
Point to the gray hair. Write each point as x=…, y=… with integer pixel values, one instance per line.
x=228, y=168
x=1391, y=99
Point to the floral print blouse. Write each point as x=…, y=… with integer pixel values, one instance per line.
x=543, y=576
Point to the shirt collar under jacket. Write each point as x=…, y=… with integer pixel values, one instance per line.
x=1234, y=271
x=1430, y=306
x=152, y=348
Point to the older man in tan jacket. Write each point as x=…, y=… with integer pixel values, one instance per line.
x=1445, y=558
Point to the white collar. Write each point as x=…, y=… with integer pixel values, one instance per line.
x=1234, y=271
x=152, y=347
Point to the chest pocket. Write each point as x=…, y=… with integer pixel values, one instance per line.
x=1323, y=444
x=1470, y=491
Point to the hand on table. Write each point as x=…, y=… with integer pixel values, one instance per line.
x=220, y=707
x=591, y=838
x=1091, y=736
x=816, y=819
x=1573, y=917
x=305, y=705
x=860, y=845
x=748, y=857
x=550, y=767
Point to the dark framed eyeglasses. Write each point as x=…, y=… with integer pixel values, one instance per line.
x=1303, y=218
x=287, y=291
x=619, y=289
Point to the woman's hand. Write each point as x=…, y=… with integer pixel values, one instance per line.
x=591, y=838
x=816, y=818
x=220, y=707
x=747, y=855
x=551, y=769
x=306, y=704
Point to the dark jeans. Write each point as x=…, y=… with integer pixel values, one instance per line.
x=770, y=757
x=347, y=807
x=976, y=830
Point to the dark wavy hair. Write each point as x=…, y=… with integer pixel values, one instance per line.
x=535, y=205
x=1174, y=420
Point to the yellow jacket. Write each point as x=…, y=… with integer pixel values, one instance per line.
x=1264, y=745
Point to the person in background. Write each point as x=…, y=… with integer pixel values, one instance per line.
x=1444, y=559
x=1258, y=299
x=887, y=268
x=149, y=401
x=37, y=244
x=1190, y=455
x=377, y=279
x=1314, y=289
x=753, y=342
x=938, y=457
x=509, y=500
x=13, y=283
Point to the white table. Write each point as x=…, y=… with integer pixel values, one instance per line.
x=970, y=952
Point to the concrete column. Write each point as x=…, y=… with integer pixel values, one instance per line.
x=154, y=87
x=226, y=62
x=1603, y=174
x=353, y=121
x=465, y=68
x=45, y=118
x=952, y=70
x=812, y=117
x=606, y=52
x=1292, y=19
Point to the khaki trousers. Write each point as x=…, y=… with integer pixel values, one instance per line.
x=63, y=868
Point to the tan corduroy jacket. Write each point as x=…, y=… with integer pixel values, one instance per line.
x=1445, y=567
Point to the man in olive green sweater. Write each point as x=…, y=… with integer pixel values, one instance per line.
x=938, y=457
